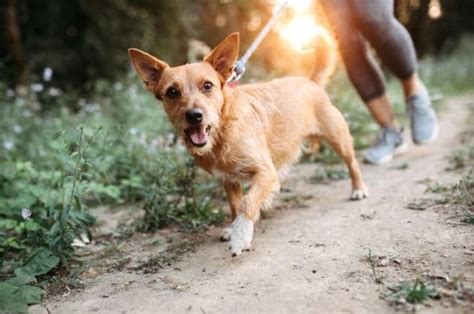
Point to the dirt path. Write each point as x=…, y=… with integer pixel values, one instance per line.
x=312, y=259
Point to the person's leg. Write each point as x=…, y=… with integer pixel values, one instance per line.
x=376, y=21
x=367, y=78
x=413, y=86
x=361, y=67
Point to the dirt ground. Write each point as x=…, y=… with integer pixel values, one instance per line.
x=310, y=255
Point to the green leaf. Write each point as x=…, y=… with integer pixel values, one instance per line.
x=40, y=262
x=9, y=301
x=7, y=224
x=21, y=280
x=32, y=225
x=30, y=294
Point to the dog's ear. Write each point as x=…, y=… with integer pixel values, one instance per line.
x=148, y=67
x=223, y=57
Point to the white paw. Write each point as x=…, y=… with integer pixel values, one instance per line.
x=242, y=234
x=358, y=194
x=225, y=234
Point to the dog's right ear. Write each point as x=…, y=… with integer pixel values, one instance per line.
x=148, y=67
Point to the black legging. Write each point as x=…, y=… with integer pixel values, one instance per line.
x=355, y=22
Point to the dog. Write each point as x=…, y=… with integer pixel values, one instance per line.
x=251, y=133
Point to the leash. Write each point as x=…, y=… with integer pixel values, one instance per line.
x=239, y=67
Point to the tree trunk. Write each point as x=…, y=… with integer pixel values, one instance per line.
x=14, y=48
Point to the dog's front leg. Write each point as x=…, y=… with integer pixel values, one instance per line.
x=264, y=184
x=234, y=194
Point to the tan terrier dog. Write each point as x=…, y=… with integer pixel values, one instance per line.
x=250, y=133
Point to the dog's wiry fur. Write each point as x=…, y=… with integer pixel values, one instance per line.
x=250, y=133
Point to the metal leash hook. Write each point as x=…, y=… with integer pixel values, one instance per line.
x=239, y=67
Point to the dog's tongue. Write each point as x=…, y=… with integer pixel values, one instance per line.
x=198, y=136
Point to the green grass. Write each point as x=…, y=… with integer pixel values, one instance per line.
x=412, y=292
x=329, y=173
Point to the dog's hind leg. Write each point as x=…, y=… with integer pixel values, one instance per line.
x=335, y=131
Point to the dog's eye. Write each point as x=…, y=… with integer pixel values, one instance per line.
x=172, y=93
x=207, y=86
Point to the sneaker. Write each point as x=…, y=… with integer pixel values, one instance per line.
x=389, y=142
x=423, y=119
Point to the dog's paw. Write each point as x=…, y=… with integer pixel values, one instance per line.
x=241, y=237
x=226, y=234
x=358, y=194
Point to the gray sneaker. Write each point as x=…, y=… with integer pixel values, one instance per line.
x=423, y=119
x=389, y=142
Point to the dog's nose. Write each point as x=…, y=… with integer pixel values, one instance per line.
x=194, y=116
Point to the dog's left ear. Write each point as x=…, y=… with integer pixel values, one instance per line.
x=148, y=67
x=223, y=57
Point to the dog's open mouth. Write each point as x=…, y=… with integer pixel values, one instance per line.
x=198, y=135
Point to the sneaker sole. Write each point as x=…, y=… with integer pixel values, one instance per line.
x=431, y=139
x=398, y=151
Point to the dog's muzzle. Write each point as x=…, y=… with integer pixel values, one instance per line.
x=197, y=133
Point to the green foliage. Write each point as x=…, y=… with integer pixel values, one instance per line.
x=15, y=298
x=176, y=199
x=40, y=262
x=452, y=72
x=413, y=292
x=90, y=38
x=327, y=174
x=17, y=292
x=56, y=161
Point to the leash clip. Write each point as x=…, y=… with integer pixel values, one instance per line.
x=237, y=72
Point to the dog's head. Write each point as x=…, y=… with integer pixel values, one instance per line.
x=192, y=94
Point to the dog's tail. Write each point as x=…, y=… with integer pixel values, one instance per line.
x=326, y=57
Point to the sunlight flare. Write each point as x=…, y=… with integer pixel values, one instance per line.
x=300, y=32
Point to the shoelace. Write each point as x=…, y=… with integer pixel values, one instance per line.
x=383, y=139
x=416, y=109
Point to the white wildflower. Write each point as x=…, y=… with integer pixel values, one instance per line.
x=152, y=148
x=10, y=93
x=20, y=102
x=17, y=129
x=8, y=145
x=133, y=131
x=37, y=87
x=26, y=113
x=35, y=106
x=142, y=139
x=22, y=90
x=91, y=107
x=53, y=92
x=170, y=138
x=47, y=74
x=118, y=86
x=25, y=213
x=132, y=91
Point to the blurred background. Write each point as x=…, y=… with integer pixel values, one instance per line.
x=84, y=40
